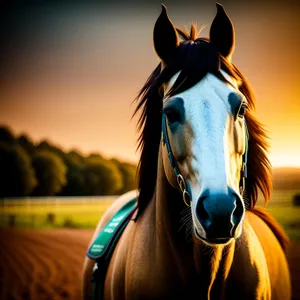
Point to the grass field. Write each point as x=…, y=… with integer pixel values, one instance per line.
x=289, y=218
x=54, y=212
x=282, y=209
x=86, y=212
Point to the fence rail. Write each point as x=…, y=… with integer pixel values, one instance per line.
x=56, y=200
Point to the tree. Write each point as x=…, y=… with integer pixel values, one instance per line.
x=75, y=175
x=6, y=135
x=128, y=173
x=76, y=157
x=47, y=146
x=17, y=177
x=51, y=173
x=102, y=177
x=95, y=157
x=27, y=144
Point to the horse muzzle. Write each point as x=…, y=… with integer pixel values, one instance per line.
x=220, y=216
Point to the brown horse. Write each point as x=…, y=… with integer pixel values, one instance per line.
x=203, y=160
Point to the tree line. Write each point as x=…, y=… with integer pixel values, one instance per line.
x=43, y=169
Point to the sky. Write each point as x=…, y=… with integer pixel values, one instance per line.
x=69, y=71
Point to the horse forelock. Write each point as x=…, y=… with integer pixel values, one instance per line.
x=195, y=58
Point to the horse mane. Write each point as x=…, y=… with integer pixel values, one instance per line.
x=195, y=57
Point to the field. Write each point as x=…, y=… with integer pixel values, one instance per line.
x=41, y=257
x=42, y=264
x=282, y=209
x=77, y=212
x=54, y=212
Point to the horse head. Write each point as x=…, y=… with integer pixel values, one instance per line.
x=197, y=111
x=203, y=124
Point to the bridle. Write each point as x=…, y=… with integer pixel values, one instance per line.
x=180, y=180
x=183, y=186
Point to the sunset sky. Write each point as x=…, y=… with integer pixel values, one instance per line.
x=69, y=72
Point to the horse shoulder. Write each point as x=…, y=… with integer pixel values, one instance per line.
x=270, y=238
x=88, y=264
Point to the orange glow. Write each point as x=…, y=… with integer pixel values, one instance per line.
x=281, y=159
x=76, y=87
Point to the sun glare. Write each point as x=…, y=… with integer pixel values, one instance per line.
x=285, y=160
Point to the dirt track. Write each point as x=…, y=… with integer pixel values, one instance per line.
x=42, y=264
x=30, y=268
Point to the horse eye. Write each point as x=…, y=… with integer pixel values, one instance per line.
x=172, y=115
x=242, y=111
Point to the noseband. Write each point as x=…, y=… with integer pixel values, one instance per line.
x=180, y=179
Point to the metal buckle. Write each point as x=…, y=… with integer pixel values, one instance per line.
x=243, y=178
x=243, y=186
x=244, y=170
x=182, y=185
x=186, y=198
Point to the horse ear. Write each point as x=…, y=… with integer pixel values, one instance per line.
x=222, y=32
x=165, y=36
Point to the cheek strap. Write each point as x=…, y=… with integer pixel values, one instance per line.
x=180, y=180
x=245, y=161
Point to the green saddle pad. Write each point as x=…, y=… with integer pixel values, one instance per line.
x=105, y=242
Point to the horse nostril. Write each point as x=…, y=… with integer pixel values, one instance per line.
x=220, y=214
x=238, y=212
x=202, y=214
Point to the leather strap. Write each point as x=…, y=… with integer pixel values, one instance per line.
x=180, y=179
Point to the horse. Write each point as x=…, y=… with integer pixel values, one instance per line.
x=198, y=232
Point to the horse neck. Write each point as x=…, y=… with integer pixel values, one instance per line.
x=195, y=261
